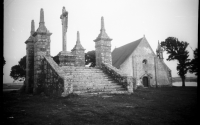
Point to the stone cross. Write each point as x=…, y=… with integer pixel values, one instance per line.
x=64, y=20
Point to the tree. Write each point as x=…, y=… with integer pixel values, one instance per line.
x=18, y=72
x=177, y=51
x=194, y=63
x=90, y=58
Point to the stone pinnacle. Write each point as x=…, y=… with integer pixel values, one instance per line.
x=32, y=27
x=102, y=23
x=78, y=37
x=41, y=16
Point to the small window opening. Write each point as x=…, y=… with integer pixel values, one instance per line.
x=144, y=61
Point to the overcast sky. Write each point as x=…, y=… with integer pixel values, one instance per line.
x=125, y=21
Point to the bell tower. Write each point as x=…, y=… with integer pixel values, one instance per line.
x=159, y=51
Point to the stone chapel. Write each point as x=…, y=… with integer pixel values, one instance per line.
x=137, y=59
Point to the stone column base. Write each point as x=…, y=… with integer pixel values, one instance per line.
x=66, y=58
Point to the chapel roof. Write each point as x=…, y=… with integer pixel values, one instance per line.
x=119, y=55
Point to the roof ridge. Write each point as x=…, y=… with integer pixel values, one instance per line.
x=119, y=55
x=130, y=43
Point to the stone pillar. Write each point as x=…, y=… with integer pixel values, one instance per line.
x=30, y=60
x=103, y=47
x=41, y=49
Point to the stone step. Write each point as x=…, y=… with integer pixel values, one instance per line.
x=86, y=73
x=99, y=89
x=97, y=86
x=90, y=79
x=72, y=67
x=92, y=69
x=83, y=72
x=94, y=82
x=88, y=76
x=100, y=92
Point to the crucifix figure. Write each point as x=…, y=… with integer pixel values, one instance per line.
x=64, y=20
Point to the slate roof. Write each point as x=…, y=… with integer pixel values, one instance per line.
x=119, y=55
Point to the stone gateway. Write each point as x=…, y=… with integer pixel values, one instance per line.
x=115, y=72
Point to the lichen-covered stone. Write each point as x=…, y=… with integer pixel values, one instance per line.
x=66, y=58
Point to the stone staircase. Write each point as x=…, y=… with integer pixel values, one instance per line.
x=87, y=80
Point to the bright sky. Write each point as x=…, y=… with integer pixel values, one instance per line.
x=125, y=21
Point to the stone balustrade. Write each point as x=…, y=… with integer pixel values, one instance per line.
x=127, y=82
x=53, y=80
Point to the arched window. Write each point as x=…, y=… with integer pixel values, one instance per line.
x=144, y=61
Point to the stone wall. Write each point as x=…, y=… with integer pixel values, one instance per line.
x=41, y=49
x=79, y=57
x=103, y=52
x=29, y=66
x=162, y=74
x=52, y=80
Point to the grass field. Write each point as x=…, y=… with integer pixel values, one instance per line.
x=168, y=106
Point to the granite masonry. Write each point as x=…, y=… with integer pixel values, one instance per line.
x=44, y=75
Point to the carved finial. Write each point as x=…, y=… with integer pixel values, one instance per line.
x=41, y=16
x=32, y=27
x=63, y=10
x=78, y=37
x=102, y=23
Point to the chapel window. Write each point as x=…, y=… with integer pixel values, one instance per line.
x=144, y=61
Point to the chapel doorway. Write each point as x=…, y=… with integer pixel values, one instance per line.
x=145, y=81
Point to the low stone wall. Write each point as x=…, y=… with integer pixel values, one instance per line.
x=127, y=82
x=52, y=79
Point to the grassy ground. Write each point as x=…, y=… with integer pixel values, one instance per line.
x=153, y=106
